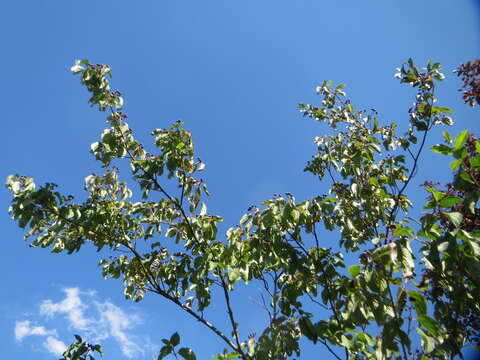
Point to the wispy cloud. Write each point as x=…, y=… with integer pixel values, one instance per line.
x=72, y=306
x=54, y=346
x=23, y=329
x=105, y=321
x=117, y=322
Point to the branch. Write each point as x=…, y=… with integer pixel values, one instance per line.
x=397, y=316
x=324, y=342
x=334, y=310
x=312, y=299
x=412, y=172
x=159, y=291
x=298, y=243
x=196, y=316
x=230, y=315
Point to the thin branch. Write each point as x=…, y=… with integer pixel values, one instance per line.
x=198, y=317
x=410, y=318
x=263, y=305
x=317, y=302
x=397, y=315
x=331, y=175
x=276, y=291
x=230, y=315
x=183, y=191
x=316, y=237
x=265, y=284
x=324, y=342
x=412, y=173
x=334, y=310
x=300, y=246
x=411, y=154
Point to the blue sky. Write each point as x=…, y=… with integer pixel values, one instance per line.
x=234, y=72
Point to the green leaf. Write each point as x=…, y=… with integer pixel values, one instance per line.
x=407, y=258
x=455, y=218
x=244, y=219
x=171, y=232
x=164, y=351
x=428, y=342
x=226, y=356
x=346, y=341
x=474, y=246
x=460, y=139
x=428, y=323
x=251, y=346
x=461, y=153
x=175, y=339
x=475, y=161
x=424, y=109
x=234, y=274
x=466, y=176
x=437, y=195
x=180, y=146
x=455, y=164
x=187, y=354
x=450, y=201
x=439, y=109
x=366, y=338
x=389, y=333
x=308, y=329
x=354, y=270
x=419, y=302
x=447, y=137
x=295, y=214
x=442, y=247
x=441, y=149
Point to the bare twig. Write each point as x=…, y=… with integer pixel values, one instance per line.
x=230, y=315
x=324, y=342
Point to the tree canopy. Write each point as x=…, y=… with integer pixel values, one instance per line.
x=393, y=287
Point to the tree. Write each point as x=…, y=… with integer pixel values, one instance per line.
x=392, y=303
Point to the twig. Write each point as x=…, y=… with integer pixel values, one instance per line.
x=230, y=315
x=324, y=342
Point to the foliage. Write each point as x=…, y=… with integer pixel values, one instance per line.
x=376, y=308
x=81, y=350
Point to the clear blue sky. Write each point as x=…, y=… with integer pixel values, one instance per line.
x=234, y=71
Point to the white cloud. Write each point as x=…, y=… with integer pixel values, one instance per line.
x=54, y=346
x=117, y=321
x=105, y=321
x=23, y=329
x=72, y=306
